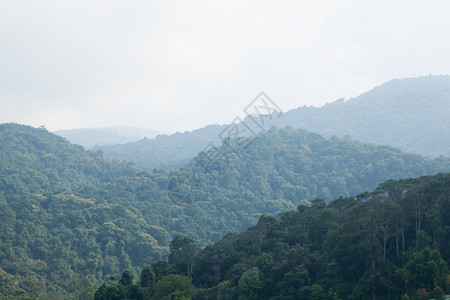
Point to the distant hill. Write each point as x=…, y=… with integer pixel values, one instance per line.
x=164, y=151
x=90, y=137
x=411, y=114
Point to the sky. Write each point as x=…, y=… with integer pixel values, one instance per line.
x=180, y=65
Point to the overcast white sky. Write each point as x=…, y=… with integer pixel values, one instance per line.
x=180, y=65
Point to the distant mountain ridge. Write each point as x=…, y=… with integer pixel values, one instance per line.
x=90, y=137
x=411, y=114
x=164, y=151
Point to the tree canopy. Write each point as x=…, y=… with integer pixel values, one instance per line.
x=71, y=218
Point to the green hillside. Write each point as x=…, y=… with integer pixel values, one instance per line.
x=70, y=218
x=36, y=161
x=392, y=243
x=51, y=239
x=295, y=165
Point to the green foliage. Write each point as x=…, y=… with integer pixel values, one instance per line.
x=174, y=283
x=71, y=219
x=286, y=166
x=251, y=284
x=182, y=254
x=427, y=270
x=127, y=278
x=365, y=247
x=148, y=278
x=123, y=289
x=178, y=295
x=264, y=263
x=56, y=236
x=34, y=161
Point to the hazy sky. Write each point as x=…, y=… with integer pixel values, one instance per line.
x=180, y=65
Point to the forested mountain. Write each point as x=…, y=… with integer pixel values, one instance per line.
x=392, y=243
x=297, y=166
x=36, y=161
x=164, y=151
x=52, y=240
x=90, y=137
x=411, y=114
x=71, y=218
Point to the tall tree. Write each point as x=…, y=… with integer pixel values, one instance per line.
x=183, y=252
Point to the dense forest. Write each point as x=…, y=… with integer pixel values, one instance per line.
x=71, y=218
x=410, y=114
x=298, y=166
x=392, y=243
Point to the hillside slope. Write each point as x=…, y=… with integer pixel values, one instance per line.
x=37, y=161
x=70, y=218
x=411, y=114
x=53, y=237
x=386, y=244
x=164, y=151
x=298, y=166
